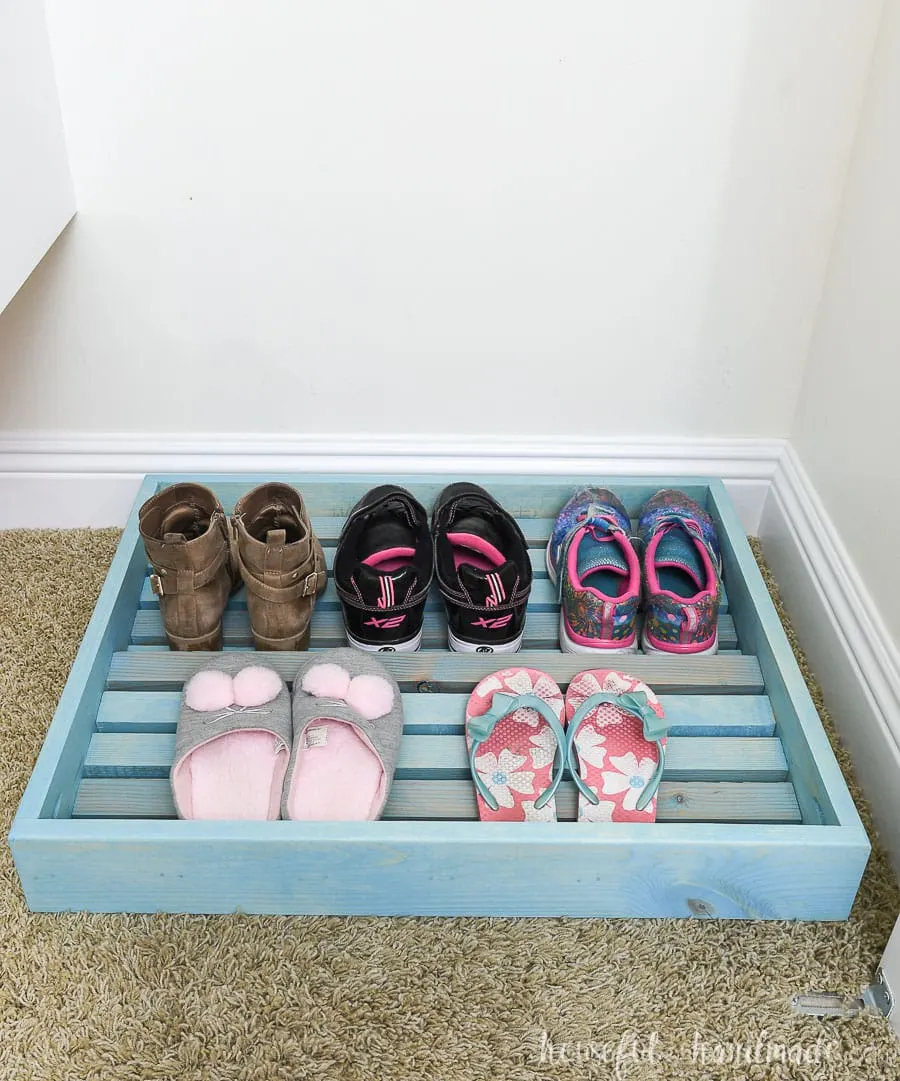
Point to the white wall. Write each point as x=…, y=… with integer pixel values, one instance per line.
x=36, y=196
x=847, y=428
x=588, y=218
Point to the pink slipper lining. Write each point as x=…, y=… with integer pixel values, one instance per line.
x=338, y=776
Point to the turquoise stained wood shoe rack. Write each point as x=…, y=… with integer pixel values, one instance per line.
x=754, y=818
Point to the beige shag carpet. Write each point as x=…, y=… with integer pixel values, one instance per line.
x=90, y=998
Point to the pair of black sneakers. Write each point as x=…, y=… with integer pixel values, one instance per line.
x=387, y=556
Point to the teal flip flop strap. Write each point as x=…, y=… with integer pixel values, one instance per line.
x=480, y=729
x=655, y=729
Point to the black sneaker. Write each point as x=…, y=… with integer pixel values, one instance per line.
x=382, y=570
x=483, y=570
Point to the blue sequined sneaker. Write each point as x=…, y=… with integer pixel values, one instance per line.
x=597, y=573
x=682, y=567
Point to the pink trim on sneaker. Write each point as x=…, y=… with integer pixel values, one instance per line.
x=391, y=559
x=467, y=547
x=653, y=577
x=599, y=643
x=681, y=647
x=634, y=569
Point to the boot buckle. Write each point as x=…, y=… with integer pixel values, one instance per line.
x=310, y=584
x=156, y=585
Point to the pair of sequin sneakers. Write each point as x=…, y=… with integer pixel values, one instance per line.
x=660, y=588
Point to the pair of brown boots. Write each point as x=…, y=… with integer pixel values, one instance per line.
x=200, y=557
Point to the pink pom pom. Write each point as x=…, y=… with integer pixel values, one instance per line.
x=209, y=690
x=255, y=685
x=370, y=696
x=326, y=681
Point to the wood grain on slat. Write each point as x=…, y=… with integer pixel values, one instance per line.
x=632, y=870
x=443, y=714
x=541, y=629
x=696, y=801
x=165, y=670
x=428, y=757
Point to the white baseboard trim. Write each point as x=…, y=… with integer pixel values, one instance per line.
x=843, y=635
x=70, y=480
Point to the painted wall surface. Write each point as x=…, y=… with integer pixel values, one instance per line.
x=589, y=218
x=36, y=196
x=847, y=431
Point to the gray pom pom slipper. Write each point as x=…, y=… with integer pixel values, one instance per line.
x=233, y=742
x=347, y=727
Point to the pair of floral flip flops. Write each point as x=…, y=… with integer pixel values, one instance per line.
x=609, y=732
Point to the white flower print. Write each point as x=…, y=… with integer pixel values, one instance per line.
x=547, y=813
x=502, y=776
x=616, y=684
x=520, y=682
x=631, y=778
x=596, y=812
x=488, y=686
x=544, y=687
x=583, y=687
x=589, y=744
x=544, y=749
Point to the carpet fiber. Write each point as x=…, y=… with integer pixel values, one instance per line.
x=85, y=997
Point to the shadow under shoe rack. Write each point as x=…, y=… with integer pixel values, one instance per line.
x=754, y=818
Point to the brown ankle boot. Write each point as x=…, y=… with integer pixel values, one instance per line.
x=185, y=533
x=282, y=565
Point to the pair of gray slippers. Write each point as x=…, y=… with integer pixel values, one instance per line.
x=247, y=748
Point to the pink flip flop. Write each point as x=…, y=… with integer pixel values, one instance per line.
x=516, y=745
x=615, y=746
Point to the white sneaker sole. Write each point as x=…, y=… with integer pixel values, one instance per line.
x=568, y=646
x=708, y=652
x=458, y=645
x=410, y=646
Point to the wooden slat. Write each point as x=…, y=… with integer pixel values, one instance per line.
x=522, y=497
x=428, y=757
x=541, y=629
x=542, y=599
x=536, y=530
x=689, y=802
x=543, y=593
x=166, y=671
x=750, y=802
x=734, y=715
x=821, y=789
x=401, y=868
